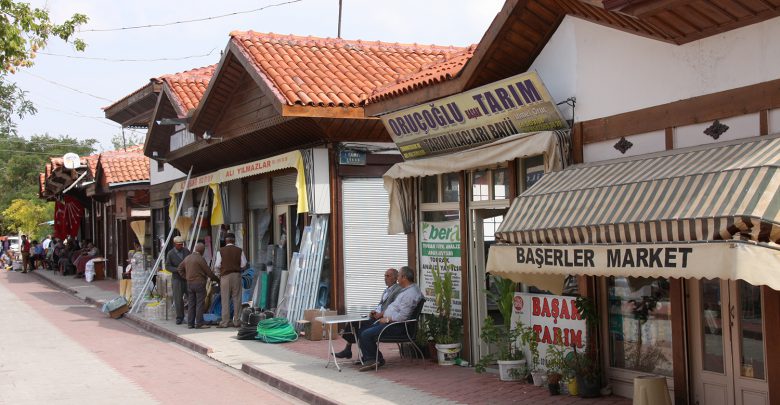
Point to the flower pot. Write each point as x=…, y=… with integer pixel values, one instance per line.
x=539, y=377
x=447, y=353
x=505, y=368
x=572, y=385
x=588, y=387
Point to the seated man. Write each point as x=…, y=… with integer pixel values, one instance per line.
x=399, y=310
x=392, y=290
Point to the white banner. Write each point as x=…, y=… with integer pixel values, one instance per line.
x=440, y=250
x=549, y=315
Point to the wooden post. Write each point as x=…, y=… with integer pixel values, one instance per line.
x=336, y=234
x=772, y=328
x=679, y=343
x=465, y=243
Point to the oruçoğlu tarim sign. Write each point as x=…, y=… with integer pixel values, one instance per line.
x=511, y=106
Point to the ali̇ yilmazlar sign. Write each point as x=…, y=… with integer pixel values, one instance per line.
x=511, y=106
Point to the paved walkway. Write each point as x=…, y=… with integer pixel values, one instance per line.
x=299, y=368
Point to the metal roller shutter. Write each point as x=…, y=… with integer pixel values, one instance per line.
x=283, y=189
x=368, y=249
x=257, y=194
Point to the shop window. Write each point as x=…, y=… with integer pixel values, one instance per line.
x=751, y=334
x=449, y=187
x=430, y=187
x=480, y=190
x=440, y=216
x=500, y=183
x=489, y=184
x=640, y=330
x=534, y=170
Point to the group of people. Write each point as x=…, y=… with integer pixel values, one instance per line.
x=398, y=302
x=34, y=254
x=191, y=273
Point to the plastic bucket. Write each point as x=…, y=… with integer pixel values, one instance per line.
x=447, y=353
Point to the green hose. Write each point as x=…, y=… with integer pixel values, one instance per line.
x=275, y=330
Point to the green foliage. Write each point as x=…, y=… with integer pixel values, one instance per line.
x=530, y=339
x=444, y=329
x=126, y=140
x=23, y=217
x=506, y=341
x=555, y=361
x=25, y=30
x=13, y=102
x=503, y=297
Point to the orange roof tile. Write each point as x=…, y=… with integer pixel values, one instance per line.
x=41, y=183
x=187, y=87
x=122, y=166
x=429, y=75
x=330, y=72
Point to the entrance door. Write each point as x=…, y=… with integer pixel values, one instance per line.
x=727, y=343
x=484, y=225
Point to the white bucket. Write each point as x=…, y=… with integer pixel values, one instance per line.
x=505, y=368
x=447, y=353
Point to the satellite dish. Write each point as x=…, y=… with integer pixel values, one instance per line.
x=71, y=160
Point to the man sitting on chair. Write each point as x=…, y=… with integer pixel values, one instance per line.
x=399, y=310
x=392, y=290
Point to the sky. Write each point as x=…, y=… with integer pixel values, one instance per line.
x=70, y=92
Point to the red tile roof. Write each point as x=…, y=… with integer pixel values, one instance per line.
x=330, y=72
x=187, y=87
x=429, y=75
x=120, y=166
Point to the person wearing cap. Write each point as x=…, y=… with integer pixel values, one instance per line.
x=172, y=261
x=229, y=262
x=197, y=272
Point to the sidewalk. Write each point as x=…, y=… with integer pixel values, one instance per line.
x=298, y=368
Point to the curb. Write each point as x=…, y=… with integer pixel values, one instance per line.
x=284, y=386
x=287, y=387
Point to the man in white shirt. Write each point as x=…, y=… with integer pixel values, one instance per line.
x=400, y=309
x=229, y=262
x=388, y=296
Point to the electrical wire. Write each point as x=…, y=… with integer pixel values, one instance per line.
x=127, y=60
x=276, y=330
x=134, y=27
x=66, y=86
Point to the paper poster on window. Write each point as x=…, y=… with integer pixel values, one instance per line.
x=550, y=315
x=440, y=250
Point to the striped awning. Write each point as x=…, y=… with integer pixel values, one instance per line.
x=725, y=192
x=705, y=212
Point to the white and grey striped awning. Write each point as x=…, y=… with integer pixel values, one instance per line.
x=713, y=193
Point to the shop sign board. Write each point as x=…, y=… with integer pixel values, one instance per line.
x=440, y=250
x=550, y=316
x=511, y=106
x=352, y=157
x=283, y=161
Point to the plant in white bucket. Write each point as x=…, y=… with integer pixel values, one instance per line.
x=447, y=330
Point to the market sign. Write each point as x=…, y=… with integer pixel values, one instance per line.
x=511, y=106
x=440, y=250
x=732, y=260
x=554, y=319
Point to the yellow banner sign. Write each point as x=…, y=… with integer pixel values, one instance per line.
x=284, y=161
x=511, y=106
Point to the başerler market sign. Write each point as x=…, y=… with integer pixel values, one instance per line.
x=511, y=106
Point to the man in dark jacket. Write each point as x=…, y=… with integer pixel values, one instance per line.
x=196, y=271
x=229, y=262
x=172, y=261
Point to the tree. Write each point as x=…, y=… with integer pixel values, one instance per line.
x=13, y=102
x=24, y=216
x=125, y=140
x=25, y=30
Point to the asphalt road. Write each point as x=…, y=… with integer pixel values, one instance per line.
x=56, y=349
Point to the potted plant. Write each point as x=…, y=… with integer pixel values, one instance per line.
x=529, y=338
x=585, y=365
x=556, y=364
x=446, y=330
x=509, y=354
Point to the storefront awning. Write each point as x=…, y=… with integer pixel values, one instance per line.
x=695, y=198
x=553, y=145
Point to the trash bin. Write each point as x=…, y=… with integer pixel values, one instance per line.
x=651, y=390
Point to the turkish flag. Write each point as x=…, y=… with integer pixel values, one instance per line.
x=67, y=217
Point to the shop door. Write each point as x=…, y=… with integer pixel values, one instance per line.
x=727, y=343
x=484, y=224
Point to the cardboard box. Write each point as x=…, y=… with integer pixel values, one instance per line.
x=313, y=330
x=117, y=313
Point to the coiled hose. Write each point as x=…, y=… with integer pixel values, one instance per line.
x=275, y=330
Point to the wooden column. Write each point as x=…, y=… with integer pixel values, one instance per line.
x=763, y=122
x=336, y=234
x=679, y=344
x=772, y=329
x=577, y=143
x=669, y=138
x=464, y=263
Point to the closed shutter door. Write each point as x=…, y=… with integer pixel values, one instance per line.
x=284, y=190
x=257, y=194
x=368, y=249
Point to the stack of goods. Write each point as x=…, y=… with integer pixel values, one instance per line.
x=140, y=274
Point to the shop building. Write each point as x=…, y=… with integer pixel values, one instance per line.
x=280, y=143
x=668, y=218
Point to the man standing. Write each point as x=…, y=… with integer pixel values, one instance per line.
x=25, y=249
x=229, y=262
x=391, y=292
x=46, y=242
x=400, y=309
x=172, y=261
x=196, y=271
